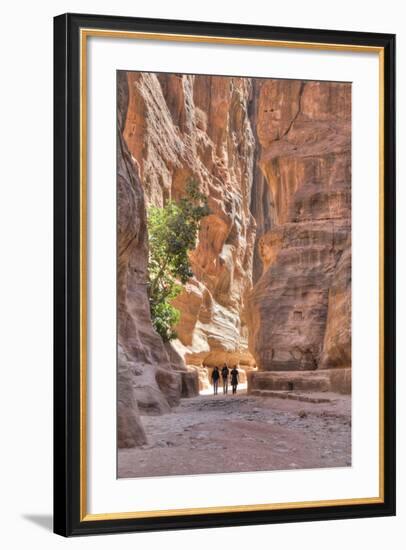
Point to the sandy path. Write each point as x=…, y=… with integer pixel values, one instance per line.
x=212, y=434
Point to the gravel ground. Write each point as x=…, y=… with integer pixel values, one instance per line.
x=241, y=433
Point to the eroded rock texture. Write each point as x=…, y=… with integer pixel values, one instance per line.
x=180, y=128
x=146, y=379
x=272, y=268
x=300, y=308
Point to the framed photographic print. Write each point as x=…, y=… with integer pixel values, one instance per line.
x=224, y=274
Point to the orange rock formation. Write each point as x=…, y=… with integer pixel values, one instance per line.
x=272, y=268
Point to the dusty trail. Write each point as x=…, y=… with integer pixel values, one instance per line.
x=240, y=433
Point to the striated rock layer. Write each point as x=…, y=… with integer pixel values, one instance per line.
x=272, y=267
x=146, y=379
x=183, y=127
x=299, y=310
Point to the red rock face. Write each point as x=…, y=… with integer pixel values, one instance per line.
x=299, y=310
x=272, y=268
x=184, y=127
x=146, y=379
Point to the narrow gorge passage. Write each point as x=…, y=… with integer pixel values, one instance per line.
x=269, y=285
x=242, y=433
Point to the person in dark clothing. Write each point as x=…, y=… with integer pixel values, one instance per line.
x=234, y=379
x=215, y=375
x=225, y=371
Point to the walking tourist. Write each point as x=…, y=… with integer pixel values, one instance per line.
x=234, y=379
x=215, y=375
x=225, y=371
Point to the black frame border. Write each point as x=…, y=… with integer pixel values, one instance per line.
x=67, y=521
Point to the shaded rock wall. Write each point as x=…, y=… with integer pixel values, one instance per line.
x=146, y=379
x=299, y=311
x=337, y=337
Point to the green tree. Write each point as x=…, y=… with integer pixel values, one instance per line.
x=172, y=234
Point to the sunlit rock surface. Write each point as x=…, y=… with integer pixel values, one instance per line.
x=272, y=268
x=180, y=128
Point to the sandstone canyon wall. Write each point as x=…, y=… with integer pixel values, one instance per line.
x=272, y=268
x=300, y=308
x=146, y=379
x=183, y=127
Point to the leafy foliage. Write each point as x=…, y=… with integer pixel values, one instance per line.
x=172, y=232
